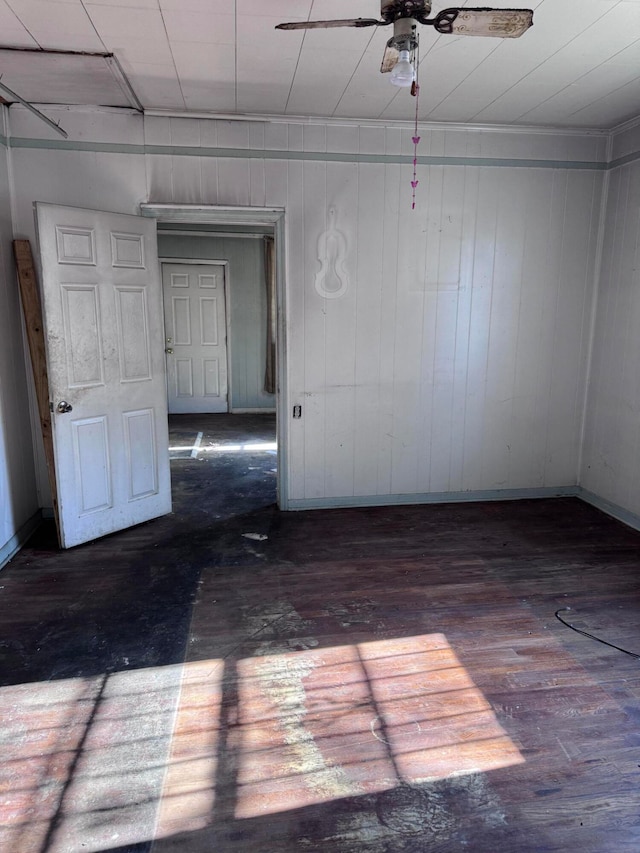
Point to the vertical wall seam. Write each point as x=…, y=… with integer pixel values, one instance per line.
x=395, y=340
x=597, y=284
x=354, y=398
x=492, y=297
x=471, y=283
x=434, y=304
x=558, y=277
x=516, y=354
x=379, y=440
x=585, y=325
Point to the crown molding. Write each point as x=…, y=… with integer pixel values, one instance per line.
x=368, y=122
x=630, y=124
x=528, y=129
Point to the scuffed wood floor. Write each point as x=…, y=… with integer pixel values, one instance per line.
x=379, y=680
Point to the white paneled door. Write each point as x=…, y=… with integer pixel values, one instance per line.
x=196, y=337
x=102, y=305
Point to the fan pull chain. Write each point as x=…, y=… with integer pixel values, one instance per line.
x=415, y=91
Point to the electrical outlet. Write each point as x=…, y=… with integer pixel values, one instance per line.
x=297, y=411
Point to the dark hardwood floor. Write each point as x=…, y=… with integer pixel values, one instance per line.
x=234, y=679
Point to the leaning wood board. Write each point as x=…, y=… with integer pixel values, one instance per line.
x=35, y=336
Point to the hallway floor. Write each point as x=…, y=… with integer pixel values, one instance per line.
x=390, y=680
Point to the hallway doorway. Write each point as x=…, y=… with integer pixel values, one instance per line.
x=223, y=465
x=186, y=233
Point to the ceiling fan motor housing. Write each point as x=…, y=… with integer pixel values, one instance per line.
x=404, y=34
x=394, y=10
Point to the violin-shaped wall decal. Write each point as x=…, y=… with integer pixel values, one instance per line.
x=332, y=279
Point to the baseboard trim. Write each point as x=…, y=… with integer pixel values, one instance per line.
x=256, y=411
x=433, y=498
x=11, y=548
x=615, y=511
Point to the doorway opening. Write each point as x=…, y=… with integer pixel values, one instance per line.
x=223, y=289
x=223, y=465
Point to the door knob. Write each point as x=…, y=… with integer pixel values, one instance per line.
x=63, y=407
x=169, y=351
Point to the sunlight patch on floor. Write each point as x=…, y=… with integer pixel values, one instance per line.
x=84, y=760
x=98, y=763
x=350, y=720
x=195, y=450
x=188, y=795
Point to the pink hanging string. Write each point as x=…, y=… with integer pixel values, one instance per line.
x=415, y=91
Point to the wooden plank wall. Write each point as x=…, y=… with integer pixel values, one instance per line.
x=456, y=360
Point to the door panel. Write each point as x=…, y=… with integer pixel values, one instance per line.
x=196, y=329
x=102, y=306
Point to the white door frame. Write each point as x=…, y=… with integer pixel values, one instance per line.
x=227, y=308
x=207, y=214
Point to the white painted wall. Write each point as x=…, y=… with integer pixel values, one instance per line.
x=18, y=497
x=611, y=454
x=456, y=360
x=625, y=141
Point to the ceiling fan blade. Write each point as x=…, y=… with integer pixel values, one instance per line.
x=318, y=25
x=389, y=59
x=498, y=23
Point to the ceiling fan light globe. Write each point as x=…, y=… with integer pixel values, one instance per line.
x=403, y=73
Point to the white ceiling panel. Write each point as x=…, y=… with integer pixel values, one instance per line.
x=607, y=111
x=73, y=77
x=210, y=7
x=200, y=27
x=578, y=66
x=205, y=63
x=143, y=51
x=57, y=25
x=359, y=98
x=14, y=33
x=204, y=97
x=284, y=10
x=600, y=84
x=259, y=32
x=139, y=4
x=319, y=94
x=207, y=75
x=113, y=22
x=156, y=84
x=264, y=78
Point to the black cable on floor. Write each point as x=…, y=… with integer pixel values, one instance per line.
x=591, y=636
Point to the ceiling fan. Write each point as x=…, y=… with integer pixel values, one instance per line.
x=406, y=14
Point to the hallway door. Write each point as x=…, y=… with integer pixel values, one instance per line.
x=196, y=337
